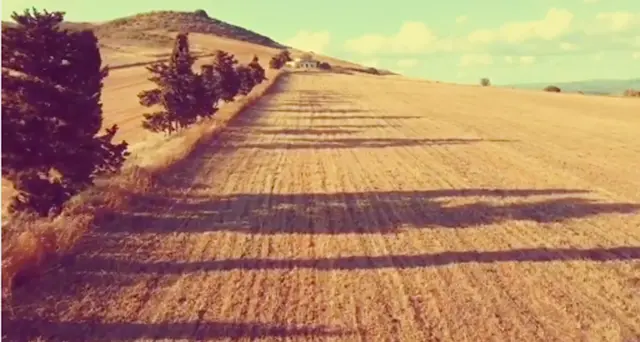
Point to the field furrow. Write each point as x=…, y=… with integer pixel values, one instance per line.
x=364, y=208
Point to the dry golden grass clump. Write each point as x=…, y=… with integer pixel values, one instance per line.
x=29, y=242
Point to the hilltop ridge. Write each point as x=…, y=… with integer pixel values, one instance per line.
x=173, y=21
x=152, y=27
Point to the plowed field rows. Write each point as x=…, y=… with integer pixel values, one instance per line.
x=360, y=208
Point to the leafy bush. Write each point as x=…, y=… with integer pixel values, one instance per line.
x=247, y=82
x=257, y=71
x=279, y=60
x=51, y=113
x=324, y=66
x=201, y=13
x=552, y=89
x=485, y=82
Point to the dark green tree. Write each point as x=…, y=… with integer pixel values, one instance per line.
x=279, y=60
x=247, y=82
x=257, y=71
x=275, y=63
x=175, y=93
x=208, y=94
x=229, y=82
x=51, y=113
x=285, y=56
x=324, y=66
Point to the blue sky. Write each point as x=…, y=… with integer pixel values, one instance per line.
x=457, y=40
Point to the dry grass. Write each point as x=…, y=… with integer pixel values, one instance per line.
x=358, y=207
x=29, y=241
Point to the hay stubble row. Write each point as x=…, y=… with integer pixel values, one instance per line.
x=367, y=208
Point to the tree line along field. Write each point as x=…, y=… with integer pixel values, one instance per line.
x=129, y=45
x=360, y=207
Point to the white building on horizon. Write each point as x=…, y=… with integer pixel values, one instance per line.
x=306, y=61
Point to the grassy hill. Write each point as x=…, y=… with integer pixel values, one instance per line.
x=194, y=22
x=144, y=37
x=151, y=28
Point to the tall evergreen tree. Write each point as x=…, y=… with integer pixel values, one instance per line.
x=51, y=112
x=224, y=65
x=175, y=92
x=208, y=94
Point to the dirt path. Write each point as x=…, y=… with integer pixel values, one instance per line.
x=353, y=208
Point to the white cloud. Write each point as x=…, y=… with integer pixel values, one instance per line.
x=367, y=44
x=482, y=36
x=526, y=60
x=555, y=23
x=461, y=19
x=413, y=37
x=616, y=21
x=407, y=63
x=310, y=41
x=476, y=59
x=564, y=46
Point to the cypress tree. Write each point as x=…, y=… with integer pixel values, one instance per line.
x=51, y=113
x=175, y=92
x=229, y=82
x=208, y=92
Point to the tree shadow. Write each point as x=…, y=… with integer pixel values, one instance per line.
x=356, y=126
x=320, y=116
x=362, y=262
x=312, y=109
x=25, y=330
x=346, y=143
x=308, y=131
x=350, y=213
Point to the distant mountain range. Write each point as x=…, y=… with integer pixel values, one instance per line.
x=601, y=86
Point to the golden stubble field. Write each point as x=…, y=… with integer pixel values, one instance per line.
x=364, y=208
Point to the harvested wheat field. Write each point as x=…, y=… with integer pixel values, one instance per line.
x=364, y=208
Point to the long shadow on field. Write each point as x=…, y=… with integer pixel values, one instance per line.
x=305, y=131
x=25, y=330
x=310, y=109
x=361, y=117
x=348, y=213
x=343, y=143
x=361, y=262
